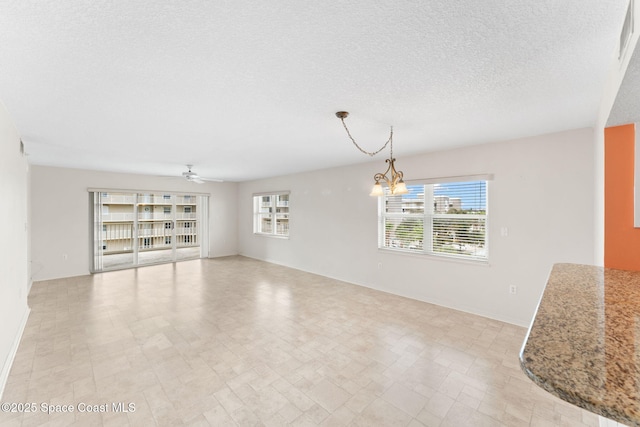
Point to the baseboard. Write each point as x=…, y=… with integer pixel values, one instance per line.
x=605, y=422
x=446, y=304
x=6, y=369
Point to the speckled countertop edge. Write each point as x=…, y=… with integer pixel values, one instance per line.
x=581, y=344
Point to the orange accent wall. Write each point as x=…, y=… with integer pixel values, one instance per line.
x=621, y=239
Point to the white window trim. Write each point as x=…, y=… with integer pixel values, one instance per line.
x=256, y=216
x=427, y=224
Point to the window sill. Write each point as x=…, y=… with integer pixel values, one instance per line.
x=273, y=236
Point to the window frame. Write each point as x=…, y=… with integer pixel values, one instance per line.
x=275, y=214
x=429, y=217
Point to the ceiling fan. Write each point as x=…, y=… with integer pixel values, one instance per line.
x=194, y=177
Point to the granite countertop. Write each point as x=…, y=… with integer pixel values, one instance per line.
x=584, y=343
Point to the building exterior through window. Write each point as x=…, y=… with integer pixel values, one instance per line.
x=271, y=214
x=144, y=228
x=442, y=219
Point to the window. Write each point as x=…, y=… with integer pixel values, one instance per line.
x=187, y=209
x=443, y=218
x=271, y=214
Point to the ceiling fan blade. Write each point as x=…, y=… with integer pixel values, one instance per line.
x=194, y=177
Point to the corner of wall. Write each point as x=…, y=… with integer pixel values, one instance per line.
x=14, y=251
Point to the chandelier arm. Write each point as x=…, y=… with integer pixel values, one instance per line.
x=383, y=176
x=379, y=177
x=396, y=175
x=360, y=148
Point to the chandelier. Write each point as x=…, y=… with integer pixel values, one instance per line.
x=392, y=177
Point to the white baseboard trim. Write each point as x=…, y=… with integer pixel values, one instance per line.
x=6, y=369
x=605, y=422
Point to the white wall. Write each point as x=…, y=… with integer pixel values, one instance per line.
x=542, y=192
x=14, y=256
x=61, y=223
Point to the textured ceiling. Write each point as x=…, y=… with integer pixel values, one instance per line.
x=247, y=89
x=626, y=108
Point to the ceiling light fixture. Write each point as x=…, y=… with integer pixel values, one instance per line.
x=395, y=180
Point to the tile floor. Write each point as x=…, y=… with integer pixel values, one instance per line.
x=235, y=341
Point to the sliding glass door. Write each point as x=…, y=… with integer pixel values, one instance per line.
x=133, y=229
x=114, y=232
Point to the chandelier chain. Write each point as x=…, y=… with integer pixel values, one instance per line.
x=373, y=153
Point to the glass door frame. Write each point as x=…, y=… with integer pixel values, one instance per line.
x=199, y=221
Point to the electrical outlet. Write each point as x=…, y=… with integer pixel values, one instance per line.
x=513, y=289
x=379, y=266
x=65, y=257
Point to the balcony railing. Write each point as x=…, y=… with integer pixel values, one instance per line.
x=117, y=199
x=166, y=232
x=160, y=232
x=186, y=215
x=191, y=231
x=186, y=200
x=157, y=246
x=150, y=216
x=161, y=200
x=117, y=217
x=118, y=234
x=154, y=200
x=110, y=235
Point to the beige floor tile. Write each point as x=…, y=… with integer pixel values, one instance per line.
x=405, y=399
x=328, y=395
x=382, y=413
x=235, y=341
